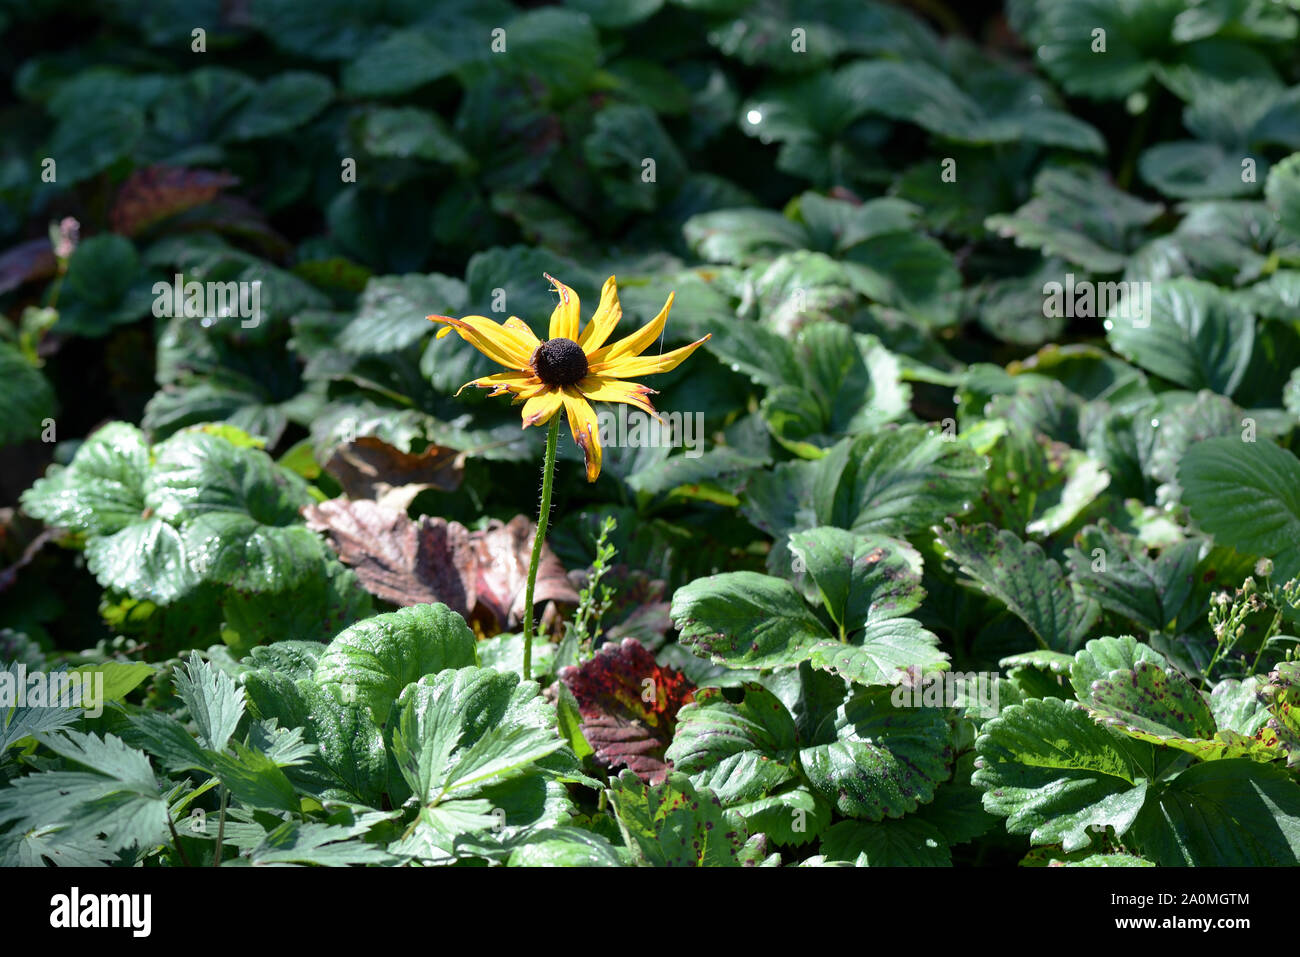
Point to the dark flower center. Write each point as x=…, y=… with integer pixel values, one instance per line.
x=560, y=362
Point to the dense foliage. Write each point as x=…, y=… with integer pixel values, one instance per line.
x=989, y=548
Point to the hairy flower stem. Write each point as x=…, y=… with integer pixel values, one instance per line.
x=543, y=519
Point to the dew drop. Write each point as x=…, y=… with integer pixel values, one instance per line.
x=754, y=117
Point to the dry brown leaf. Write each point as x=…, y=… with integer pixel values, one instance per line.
x=370, y=468
x=503, y=551
x=479, y=574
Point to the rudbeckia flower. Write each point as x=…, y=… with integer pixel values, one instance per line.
x=573, y=367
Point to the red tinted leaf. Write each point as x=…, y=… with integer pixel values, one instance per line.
x=155, y=193
x=624, y=728
x=33, y=259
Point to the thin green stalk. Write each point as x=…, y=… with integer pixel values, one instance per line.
x=543, y=519
x=221, y=828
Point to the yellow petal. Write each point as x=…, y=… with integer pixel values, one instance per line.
x=601, y=389
x=638, y=342
x=603, y=322
x=586, y=432
x=521, y=327
x=501, y=345
x=515, y=382
x=564, y=320
x=630, y=367
x=540, y=407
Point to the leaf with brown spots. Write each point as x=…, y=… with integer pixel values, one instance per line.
x=618, y=721
x=675, y=825
x=370, y=468
x=880, y=760
x=1282, y=694
x=1023, y=578
x=433, y=560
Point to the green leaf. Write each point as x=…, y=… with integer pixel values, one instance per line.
x=1234, y=813
x=322, y=606
x=792, y=816
x=909, y=842
x=1077, y=215
x=848, y=384
x=391, y=312
x=460, y=731
x=917, y=92
x=237, y=512
x=27, y=396
x=325, y=845
x=1195, y=169
x=283, y=103
x=1030, y=584
x=895, y=482
x=623, y=135
x=565, y=847
x=1109, y=860
x=860, y=579
x=883, y=650
x=403, y=61
x=148, y=560
x=1282, y=190
x=1148, y=591
x=120, y=678
x=1152, y=703
x=1195, y=336
x=408, y=132
x=741, y=235
x=1239, y=706
x=117, y=801
x=1247, y=495
x=214, y=703
x=254, y=779
x=910, y=271
x=352, y=757
x=89, y=142
x=879, y=760
x=674, y=824
x=102, y=490
x=19, y=722
x=1053, y=773
x=558, y=47
x=1139, y=42
x=741, y=752
x=746, y=620
x=1101, y=656
x=372, y=661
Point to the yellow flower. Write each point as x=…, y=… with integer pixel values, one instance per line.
x=571, y=369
